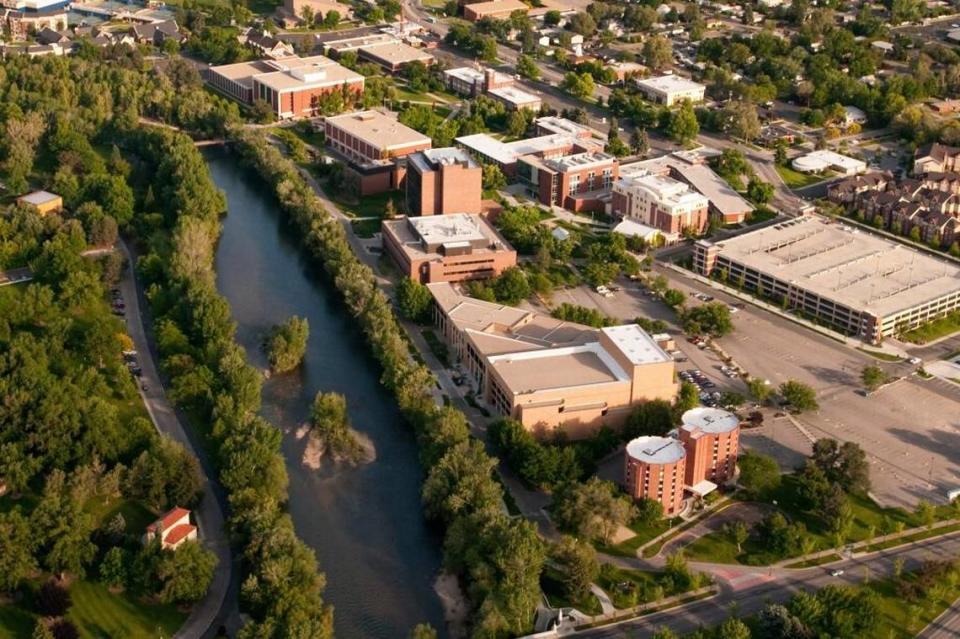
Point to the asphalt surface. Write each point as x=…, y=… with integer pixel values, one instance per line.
x=772, y=585
x=946, y=626
x=216, y=608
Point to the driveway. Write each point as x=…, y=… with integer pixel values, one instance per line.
x=215, y=609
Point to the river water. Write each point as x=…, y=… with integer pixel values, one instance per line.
x=365, y=523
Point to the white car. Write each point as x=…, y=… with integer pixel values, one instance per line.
x=836, y=572
x=602, y=290
x=733, y=309
x=915, y=360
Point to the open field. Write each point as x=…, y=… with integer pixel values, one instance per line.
x=796, y=179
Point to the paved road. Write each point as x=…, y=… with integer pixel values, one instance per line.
x=751, y=592
x=215, y=609
x=946, y=626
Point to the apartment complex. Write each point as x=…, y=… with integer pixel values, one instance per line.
x=578, y=182
x=550, y=374
x=711, y=439
x=858, y=283
x=926, y=208
x=660, y=202
x=936, y=158
x=443, y=181
x=451, y=248
x=371, y=141
x=292, y=86
x=725, y=204
x=654, y=468
x=671, y=89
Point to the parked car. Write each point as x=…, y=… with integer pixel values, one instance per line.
x=836, y=572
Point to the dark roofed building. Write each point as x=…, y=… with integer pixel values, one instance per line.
x=936, y=158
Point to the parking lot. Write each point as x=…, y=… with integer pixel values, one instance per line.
x=909, y=429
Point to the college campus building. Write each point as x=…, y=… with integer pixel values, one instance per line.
x=711, y=439
x=490, y=150
x=495, y=9
x=671, y=89
x=547, y=373
x=826, y=160
x=292, y=86
x=578, y=182
x=443, y=181
x=654, y=468
x=449, y=248
x=661, y=203
x=858, y=283
x=726, y=205
x=473, y=81
x=393, y=56
x=702, y=456
x=371, y=141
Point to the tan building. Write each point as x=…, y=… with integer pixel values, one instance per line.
x=43, y=202
x=711, y=437
x=393, y=56
x=371, y=141
x=654, y=468
x=451, y=248
x=496, y=9
x=291, y=13
x=549, y=374
x=443, y=181
x=660, y=202
x=173, y=529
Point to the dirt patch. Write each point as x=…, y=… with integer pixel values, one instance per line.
x=456, y=610
x=622, y=534
x=315, y=450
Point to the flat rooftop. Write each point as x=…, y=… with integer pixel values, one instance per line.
x=656, y=450
x=288, y=73
x=508, y=152
x=396, y=52
x=579, y=161
x=862, y=271
x=824, y=159
x=377, y=129
x=514, y=95
x=445, y=156
x=38, y=198
x=467, y=74
x=670, y=84
x=554, y=124
x=709, y=420
x=636, y=344
x=367, y=40
x=498, y=6
x=666, y=189
x=549, y=369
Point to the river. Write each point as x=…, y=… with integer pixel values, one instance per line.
x=365, y=523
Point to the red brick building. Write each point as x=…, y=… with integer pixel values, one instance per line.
x=711, y=438
x=371, y=141
x=292, y=86
x=443, y=181
x=579, y=182
x=449, y=248
x=654, y=468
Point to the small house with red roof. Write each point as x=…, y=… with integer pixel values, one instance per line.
x=173, y=528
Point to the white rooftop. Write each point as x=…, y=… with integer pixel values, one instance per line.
x=823, y=159
x=656, y=450
x=636, y=344
x=444, y=229
x=632, y=228
x=508, y=152
x=670, y=84
x=39, y=197
x=467, y=74
x=709, y=420
x=514, y=95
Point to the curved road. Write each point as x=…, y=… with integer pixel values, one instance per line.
x=750, y=589
x=212, y=610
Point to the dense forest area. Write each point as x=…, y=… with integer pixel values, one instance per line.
x=83, y=466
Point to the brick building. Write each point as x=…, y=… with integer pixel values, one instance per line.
x=654, y=468
x=662, y=203
x=711, y=437
x=451, y=248
x=443, y=181
x=371, y=141
x=578, y=182
x=292, y=86
x=490, y=150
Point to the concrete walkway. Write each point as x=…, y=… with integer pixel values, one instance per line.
x=606, y=605
x=214, y=609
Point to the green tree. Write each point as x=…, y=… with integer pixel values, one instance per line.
x=657, y=52
x=41, y=630
x=413, y=299
x=423, y=631
x=740, y=120
x=287, y=344
x=682, y=126
x=759, y=191
x=593, y=510
x=493, y=178
x=759, y=389
x=580, y=566
x=639, y=141
x=649, y=418
x=799, y=396
x=845, y=464
x=759, y=474
x=113, y=567
x=527, y=67
x=712, y=318
x=738, y=533
x=873, y=377
x=511, y=286
x=583, y=23
x=580, y=85
x=186, y=573
x=733, y=628
x=330, y=425
x=16, y=550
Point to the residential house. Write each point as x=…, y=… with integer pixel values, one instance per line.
x=173, y=529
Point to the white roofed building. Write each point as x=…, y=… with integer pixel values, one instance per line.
x=671, y=89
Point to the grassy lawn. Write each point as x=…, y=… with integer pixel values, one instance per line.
x=886, y=357
x=796, y=179
x=810, y=563
x=100, y=613
x=933, y=330
x=365, y=228
x=552, y=583
x=898, y=619
x=907, y=539
x=760, y=215
x=628, y=588
x=368, y=205
x=644, y=534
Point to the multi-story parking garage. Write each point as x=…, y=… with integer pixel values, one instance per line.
x=855, y=282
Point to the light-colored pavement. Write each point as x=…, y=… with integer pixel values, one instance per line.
x=214, y=609
x=946, y=626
